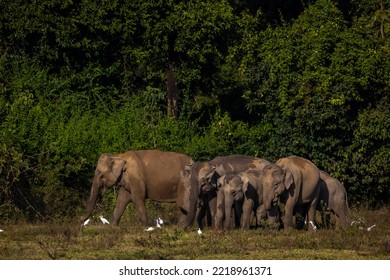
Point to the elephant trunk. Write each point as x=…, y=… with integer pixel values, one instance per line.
x=220, y=211
x=189, y=207
x=343, y=214
x=182, y=197
x=228, y=210
x=268, y=205
x=95, y=191
x=268, y=201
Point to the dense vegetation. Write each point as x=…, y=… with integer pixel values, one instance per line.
x=206, y=78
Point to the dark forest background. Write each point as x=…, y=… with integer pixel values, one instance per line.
x=268, y=78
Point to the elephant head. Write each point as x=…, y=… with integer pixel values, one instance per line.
x=276, y=181
x=108, y=173
x=229, y=196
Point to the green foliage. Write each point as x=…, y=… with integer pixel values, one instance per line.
x=271, y=79
x=308, y=80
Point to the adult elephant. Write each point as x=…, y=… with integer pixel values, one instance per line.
x=294, y=182
x=332, y=199
x=140, y=174
x=202, y=181
x=198, y=194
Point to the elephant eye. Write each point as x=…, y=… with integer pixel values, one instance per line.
x=99, y=174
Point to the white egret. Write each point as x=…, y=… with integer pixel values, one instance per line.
x=86, y=222
x=355, y=222
x=158, y=224
x=313, y=225
x=199, y=231
x=160, y=221
x=149, y=229
x=370, y=228
x=104, y=220
x=1, y=230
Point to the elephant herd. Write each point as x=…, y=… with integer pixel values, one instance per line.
x=226, y=192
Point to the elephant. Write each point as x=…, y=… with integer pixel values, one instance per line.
x=253, y=200
x=196, y=175
x=141, y=174
x=203, y=181
x=243, y=192
x=230, y=196
x=332, y=199
x=292, y=181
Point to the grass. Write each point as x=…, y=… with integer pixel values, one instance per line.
x=130, y=241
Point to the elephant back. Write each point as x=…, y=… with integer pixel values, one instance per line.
x=237, y=163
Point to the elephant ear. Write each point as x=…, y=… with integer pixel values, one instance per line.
x=117, y=166
x=288, y=179
x=245, y=182
x=213, y=176
x=187, y=170
x=220, y=182
x=211, y=173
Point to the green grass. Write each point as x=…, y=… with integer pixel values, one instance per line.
x=130, y=241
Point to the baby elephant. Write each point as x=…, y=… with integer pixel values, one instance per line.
x=253, y=200
x=243, y=193
x=230, y=199
x=332, y=198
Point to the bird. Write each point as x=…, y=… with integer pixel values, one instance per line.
x=158, y=225
x=104, y=220
x=149, y=229
x=355, y=222
x=160, y=221
x=370, y=228
x=86, y=222
x=313, y=225
x=199, y=231
x=1, y=230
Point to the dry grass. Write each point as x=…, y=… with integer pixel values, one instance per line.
x=130, y=241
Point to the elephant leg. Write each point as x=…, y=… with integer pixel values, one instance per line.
x=237, y=213
x=247, y=213
x=212, y=207
x=138, y=191
x=300, y=216
x=139, y=204
x=208, y=217
x=123, y=198
x=288, y=214
x=220, y=212
x=201, y=214
x=311, y=215
x=327, y=218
